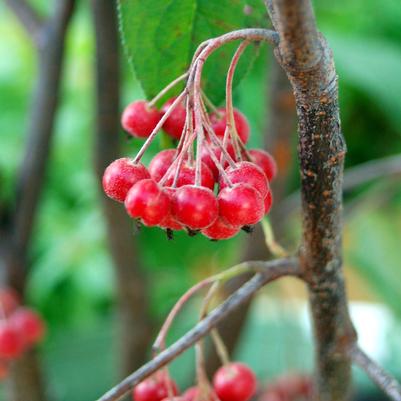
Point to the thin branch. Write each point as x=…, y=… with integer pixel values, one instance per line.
x=384, y=380
x=269, y=272
x=28, y=17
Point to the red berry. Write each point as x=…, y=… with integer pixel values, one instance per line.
x=120, y=176
x=191, y=394
x=187, y=177
x=175, y=122
x=220, y=229
x=160, y=163
x=139, y=119
x=146, y=200
x=3, y=369
x=155, y=388
x=248, y=173
x=9, y=301
x=195, y=207
x=241, y=124
x=29, y=324
x=241, y=205
x=265, y=161
x=268, y=201
x=11, y=343
x=169, y=221
x=234, y=382
x=207, y=159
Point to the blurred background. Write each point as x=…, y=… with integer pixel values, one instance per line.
x=103, y=308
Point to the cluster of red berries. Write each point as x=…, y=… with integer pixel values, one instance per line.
x=20, y=329
x=290, y=387
x=232, y=382
x=218, y=191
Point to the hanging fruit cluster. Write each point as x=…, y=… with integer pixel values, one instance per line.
x=211, y=183
x=21, y=328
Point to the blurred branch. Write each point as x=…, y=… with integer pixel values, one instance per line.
x=353, y=177
x=28, y=17
x=384, y=380
x=269, y=271
x=136, y=325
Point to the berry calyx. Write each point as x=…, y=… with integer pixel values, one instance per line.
x=247, y=173
x=139, y=119
x=147, y=201
x=160, y=163
x=219, y=123
x=175, y=122
x=240, y=205
x=265, y=161
x=155, y=388
x=195, y=207
x=120, y=176
x=234, y=382
x=29, y=324
x=11, y=343
x=220, y=229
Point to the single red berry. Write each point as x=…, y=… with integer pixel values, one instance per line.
x=207, y=159
x=155, y=388
x=11, y=343
x=234, y=382
x=9, y=300
x=160, y=163
x=139, y=119
x=29, y=324
x=195, y=207
x=248, y=173
x=220, y=229
x=293, y=386
x=265, y=161
x=187, y=175
x=120, y=176
x=219, y=123
x=3, y=370
x=268, y=202
x=241, y=205
x=147, y=201
x=169, y=221
x=175, y=122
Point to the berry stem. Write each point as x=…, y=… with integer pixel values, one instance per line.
x=166, y=89
x=218, y=165
x=274, y=247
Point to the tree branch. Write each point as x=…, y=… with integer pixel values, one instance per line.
x=269, y=272
x=384, y=380
x=28, y=17
x=135, y=323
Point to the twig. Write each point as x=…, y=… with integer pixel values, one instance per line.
x=269, y=272
x=384, y=380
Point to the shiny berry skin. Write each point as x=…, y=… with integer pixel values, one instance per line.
x=29, y=324
x=11, y=342
x=207, y=159
x=241, y=205
x=9, y=301
x=155, y=388
x=160, y=163
x=139, y=120
x=169, y=221
x=120, y=176
x=268, y=202
x=241, y=124
x=234, y=382
x=147, y=201
x=187, y=177
x=195, y=207
x=175, y=122
x=220, y=229
x=248, y=173
x=265, y=161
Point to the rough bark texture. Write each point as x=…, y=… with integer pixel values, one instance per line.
x=25, y=382
x=135, y=324
x=308, y=62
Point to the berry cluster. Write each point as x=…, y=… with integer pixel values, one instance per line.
x=232, y=382
x=290, y=387
x=217, y=190
x=20, y=329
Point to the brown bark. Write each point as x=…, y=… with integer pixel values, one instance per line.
x=308, y=62
x=135, y=323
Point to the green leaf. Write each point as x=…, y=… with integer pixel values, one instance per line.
x=160, y=38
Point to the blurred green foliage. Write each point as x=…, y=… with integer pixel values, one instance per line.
x=72, y=277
